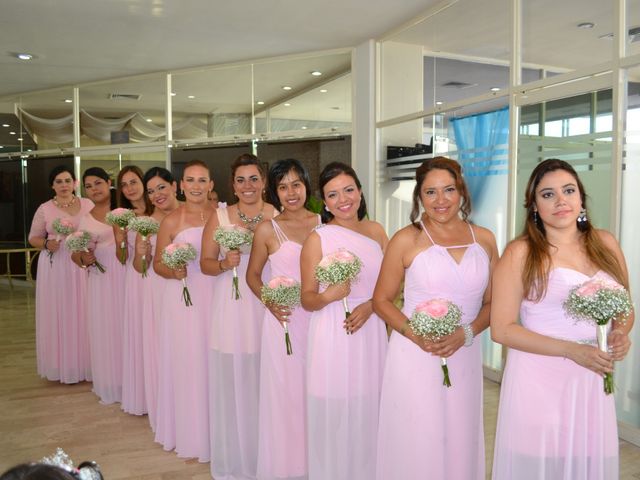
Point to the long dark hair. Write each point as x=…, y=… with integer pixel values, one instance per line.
x=244, y=160
x=123, y=201
x=277, y=172
x=330, y=172
x=153, y=172
x=535, y=275
x=55, y=171
x=101, y=173
x=451, y=166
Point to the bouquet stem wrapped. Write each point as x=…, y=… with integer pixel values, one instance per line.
x=433, y=320
x=144, y=226
x=79, y=242
x=62, y=227
x=233, y=237
x=598, y=301
x=338, y=267
x=282, y=291
x=120, y=217
x=176, y=256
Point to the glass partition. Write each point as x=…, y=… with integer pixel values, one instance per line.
x=123, y=111
x=633, y=27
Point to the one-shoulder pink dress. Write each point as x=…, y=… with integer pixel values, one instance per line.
x=105, y=309
x=62, y=338
x=282, y=431
x=188, y=330
x=234, y=366
x=133, y=391
x=344, y=372
x=426, y=429
x=554, y=419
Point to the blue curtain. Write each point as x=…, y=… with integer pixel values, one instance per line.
x=482, y=150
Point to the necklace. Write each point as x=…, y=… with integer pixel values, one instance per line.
x=251, y=223
x=64, y=205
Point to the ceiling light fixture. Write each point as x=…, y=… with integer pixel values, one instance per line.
x=6, y=125
x=287, y=88
x=260, y=102
x=12, y=133
x=323, y=90
x=304, y=127
x=173, y=94
x=149, y=120
x=316, y=73
x=495, y=89
x=606, y=36
x=586, y=25
x=20, y=139
x=23, y=56
x=438, y=103
x=287, y=104
x=68, y=100
x=191, y=97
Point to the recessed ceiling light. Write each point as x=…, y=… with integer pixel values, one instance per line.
x=6, y=125
x=316, y=73
x=495, y=89
x=286, y=87
x=191, y=97
x=23, y=56
x=20, y=139
x=324, y=90
x=606, y=36
x=12, y=133
x=287, y=104
x=260, y=102
x=304, y=127
x=586, y=25
x=149, y=120
x=29, y=150
x=68, y=100
x=173, y=94
x=438, y=103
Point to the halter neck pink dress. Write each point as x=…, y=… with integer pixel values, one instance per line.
x=105, y=309
x=133, y=391
x=427, y=429
x=234, y=366
x=188, y=329
x=554, y=419
x=344, y=372
x=62, y=338
x=282, y=432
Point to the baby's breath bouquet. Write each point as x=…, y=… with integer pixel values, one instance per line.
x=78, y=241
x=338, y=267
x=433, y=320
x=145, y=226
x=598, y=301
x=282, y=291
x=119, y=217
x=233, y=237
x=62, y=227
x=176, y=256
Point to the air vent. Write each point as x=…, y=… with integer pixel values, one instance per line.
x=124, y=96
x=634, y=35
x=459, y=85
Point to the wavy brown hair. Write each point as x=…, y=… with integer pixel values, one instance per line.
x=451, y=166
x=535, y=275
x=122, y=200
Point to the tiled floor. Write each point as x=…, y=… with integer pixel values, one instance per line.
x=36, y=416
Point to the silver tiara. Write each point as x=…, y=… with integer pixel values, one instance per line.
x=62, y=460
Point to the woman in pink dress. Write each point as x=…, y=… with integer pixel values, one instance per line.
x=160, y=187
x=425, y=426
x=554, y=419
x=282, y=432
x=345, y=357
x=185, y=328
x=62, y=341
x=105, y=291
x=130, y=194
x=236, y=331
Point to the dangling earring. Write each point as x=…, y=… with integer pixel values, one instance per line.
x=535, y=217
x=582, y=218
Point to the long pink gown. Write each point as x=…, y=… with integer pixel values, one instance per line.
x=426, y=429
x=344, y=372
x=282, y=431
x=133, y=383
x=62, y=339
x=105, y=307
x=188, y=330
x=554, y=419
x=152, y=291
x=234, y=366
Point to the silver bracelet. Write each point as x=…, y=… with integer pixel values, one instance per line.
x=468, y=334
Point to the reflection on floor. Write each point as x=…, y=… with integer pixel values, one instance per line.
x=36, y=416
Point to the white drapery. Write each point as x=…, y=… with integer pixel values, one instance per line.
x=60, y=130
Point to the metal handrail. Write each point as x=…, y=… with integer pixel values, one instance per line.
x=30, y=255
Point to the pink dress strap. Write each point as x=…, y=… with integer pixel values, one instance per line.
x=282, y=237
x=450, y=246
